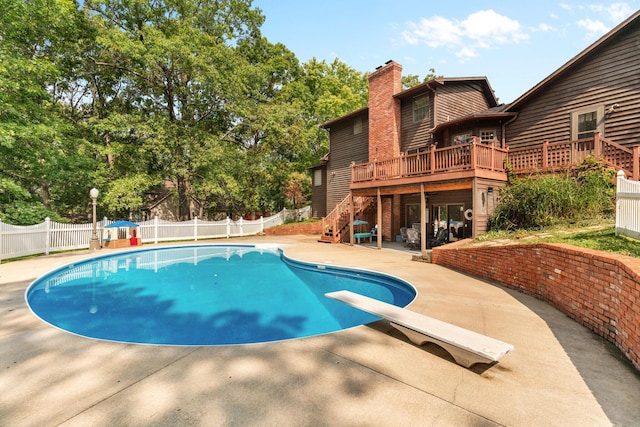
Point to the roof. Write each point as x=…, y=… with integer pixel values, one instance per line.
x=592, y=49
x=345, y=117
x=497, y=112
x=428, y=85
x=441, y=81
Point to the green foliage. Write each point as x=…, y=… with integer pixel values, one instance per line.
x=411, y=80
x=297, y=190
x=28, y=213
x=125, y=95
x=545, y=200
x=124, y=195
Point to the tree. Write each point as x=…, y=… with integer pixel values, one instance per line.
x=411, y=80
x=183, y=74
x=42, y=152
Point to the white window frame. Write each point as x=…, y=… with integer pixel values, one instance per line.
x=483, y=137
x=598, y=109
x=421, y=112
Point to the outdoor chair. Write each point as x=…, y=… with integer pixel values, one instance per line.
x=413, y=238
x=439, y=239
x=403, y=235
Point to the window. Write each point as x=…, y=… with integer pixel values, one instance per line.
x=416, y=150
x=357, y=125
x=487, y=136
x=317, y=177
x=461, y=138
x=586, y=122
x=420, y=108
x=413, y=215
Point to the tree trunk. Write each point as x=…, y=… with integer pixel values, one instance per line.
x=184, y=207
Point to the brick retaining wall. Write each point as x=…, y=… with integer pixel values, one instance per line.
x=598, y=289
x=292, y=229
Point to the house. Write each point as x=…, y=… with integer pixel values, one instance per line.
x=410, y=145
x=434, y=156
x=597, y=91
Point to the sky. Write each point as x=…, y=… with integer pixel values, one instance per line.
x=515, y=44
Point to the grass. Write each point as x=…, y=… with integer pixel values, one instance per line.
x=593, y=237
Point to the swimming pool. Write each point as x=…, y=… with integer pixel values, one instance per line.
x=205, y=295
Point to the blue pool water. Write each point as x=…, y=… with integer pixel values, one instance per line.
x=205, y=295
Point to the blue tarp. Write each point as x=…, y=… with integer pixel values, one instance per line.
x=122, y=224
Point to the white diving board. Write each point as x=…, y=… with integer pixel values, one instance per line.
x=466, y=347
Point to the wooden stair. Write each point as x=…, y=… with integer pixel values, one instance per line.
x=335, y=225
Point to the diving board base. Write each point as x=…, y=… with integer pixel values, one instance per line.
x=466, y=347
x=462, y=357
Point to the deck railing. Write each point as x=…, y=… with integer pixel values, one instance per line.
x=437, y=160
x=562, y=155
x=338, y=218
x=475, y=155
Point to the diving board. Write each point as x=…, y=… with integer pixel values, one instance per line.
x=466, y=347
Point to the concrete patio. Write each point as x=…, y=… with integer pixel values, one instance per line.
x=559, y=373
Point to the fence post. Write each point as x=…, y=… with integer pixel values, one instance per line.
x=195, y=228
x=262, y=224
x=1, y=236
x=545, y=154
x=155, y=229
x=47, y=243
x=241, y=227
x=228, y=227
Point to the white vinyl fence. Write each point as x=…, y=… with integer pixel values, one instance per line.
x=49, y=236
x=628, y=207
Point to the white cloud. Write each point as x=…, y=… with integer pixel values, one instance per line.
x=544, y=28
x=480, y=30
x=594, y=28
x=620, y=11
x=617, y=12
x=488, y=26
x=434, y=32
x=465, y=54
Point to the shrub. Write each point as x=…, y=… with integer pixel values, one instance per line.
x=545, y=200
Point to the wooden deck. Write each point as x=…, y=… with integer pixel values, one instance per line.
x=475, y=159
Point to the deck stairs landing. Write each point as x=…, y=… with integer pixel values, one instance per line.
x=335, y=226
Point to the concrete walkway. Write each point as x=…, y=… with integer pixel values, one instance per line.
x=368, y=375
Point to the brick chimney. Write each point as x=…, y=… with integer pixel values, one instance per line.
x=384, y=112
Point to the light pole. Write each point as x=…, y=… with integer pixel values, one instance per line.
x=94, y=243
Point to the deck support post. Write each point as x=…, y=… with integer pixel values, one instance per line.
x=423, y=220
x=379, y=219
x=351, y=217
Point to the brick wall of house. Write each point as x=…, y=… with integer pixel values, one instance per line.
x=598, y=289
x=384, y=112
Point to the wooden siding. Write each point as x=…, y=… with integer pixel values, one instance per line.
x=610, y=75
x=485, y=201
x=415, y=135
x=458, y=99
x=345, y=148
x=319, y=194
